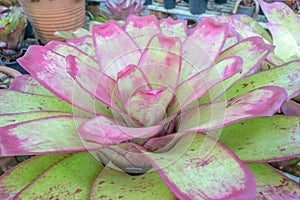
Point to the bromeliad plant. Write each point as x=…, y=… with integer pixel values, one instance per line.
x=131, y=97
x=121, y=9
x=283, y=24
x=12, y=30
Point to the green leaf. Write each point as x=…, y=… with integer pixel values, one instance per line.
x=264, y=139
x=8, y=119
x=286, y=76
x=288, y=51
x=273, y=185
x=115, y=184
x=14, y=181
x=18, y=102
x=70, y=178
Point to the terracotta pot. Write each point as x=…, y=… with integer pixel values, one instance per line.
x=48, y=16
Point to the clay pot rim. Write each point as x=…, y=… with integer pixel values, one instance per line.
x=9, y=71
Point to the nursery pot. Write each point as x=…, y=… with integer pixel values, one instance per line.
x=48, y=16
x=220, y=1
x=246, y=10
x=197, y=6
x=148, y=2
x=5, y=81
x=169, y=4
x=13, y=64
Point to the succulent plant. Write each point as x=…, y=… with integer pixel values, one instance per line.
x=147, y=98
x=12, y=30
x=121, y=9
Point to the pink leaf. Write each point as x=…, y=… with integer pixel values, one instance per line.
x=97, y=84
x=174, y=28
x=202, y=47
x=141, y=29
x=49, y=69
x=27, y=84
x=114, y=48
x=264, y=101
x=161, y=61
x=130, y=81
x=108, y=132
x=85, y=44
x=65, y=50
x=198, y=85
x=149, y=107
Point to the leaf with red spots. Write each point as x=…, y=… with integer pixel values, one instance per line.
x=115, y=184
x=14, y=181
x=264, y=139
x=70, y=178
x=193, y=167
x=286, y=76
x=273, y=185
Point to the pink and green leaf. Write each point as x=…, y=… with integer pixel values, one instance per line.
x=193, y=167
x=114, y=48
x=246, y=26
x=264, y=101
x=49, y=69
x=13, y=181
x=202, y=47
x=253, y=51
x=65, y=50
x=141, y=29
x=39, y=137
x=8, y=119
x=115, y=184
x=27, y=84
x=264, y=139
x=173, y=28
x=281, y=14
x=108, y=132
x=84, y=44
x=130, y=81
x=286, y=76
x=198, y=85
x=286, y=46
x=69, y=178
x=273, y=185
x=149, y=107
x=96, y=83
x=161, y=61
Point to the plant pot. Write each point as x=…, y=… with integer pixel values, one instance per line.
x=220, y=1
x=148, y=2
x=5, y=80
x=246, y=10
x=169, y=4
x=13, y=64
x=48, y=16
x=197, y=7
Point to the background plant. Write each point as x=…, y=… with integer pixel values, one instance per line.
x=12, y=30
